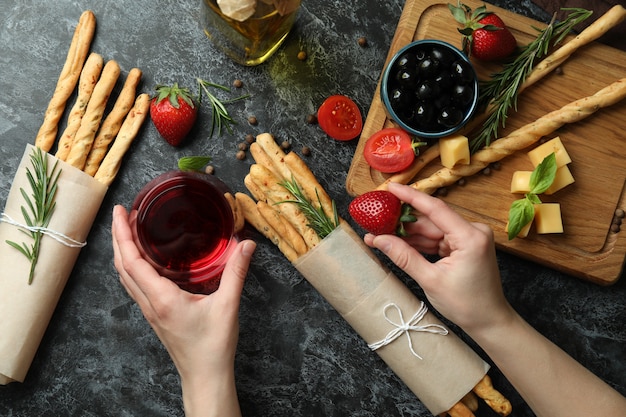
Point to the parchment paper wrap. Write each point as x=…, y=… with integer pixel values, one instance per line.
x=353, y=280
x=25, y=310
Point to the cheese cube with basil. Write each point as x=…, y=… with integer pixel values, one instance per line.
x=524, y=231
x=454, y=150
x=520, y=183
x=562, y=179
x=554, y=145
x=548, y=218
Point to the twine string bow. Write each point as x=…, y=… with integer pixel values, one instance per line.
x=406, y=327
x=58, y=236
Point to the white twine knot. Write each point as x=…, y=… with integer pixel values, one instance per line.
x=405, y=327
x=58, y=236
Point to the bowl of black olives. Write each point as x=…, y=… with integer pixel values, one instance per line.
x=430, y=89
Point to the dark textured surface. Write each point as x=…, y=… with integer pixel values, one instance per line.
x=296, y=356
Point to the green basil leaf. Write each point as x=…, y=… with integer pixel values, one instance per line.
x=193, y=163
x=533, y=198
x=521, y=213
x=543, y=175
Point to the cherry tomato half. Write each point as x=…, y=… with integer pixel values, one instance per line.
x=340, y=118
x=389, y=150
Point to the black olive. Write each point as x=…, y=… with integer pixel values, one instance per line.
x=428, y=67
x=462, y=72
x=407, y=78
x=443, y=56
x=399, y=98
x=462, y=95
x=423, y=114
x=442, y=100
x=444, y=80
x=406, y=61
x=450, y=117
x=426, y=90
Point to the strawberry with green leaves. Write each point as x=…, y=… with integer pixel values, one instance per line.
x=485, y=36
x=173, y=112
x=380, y=212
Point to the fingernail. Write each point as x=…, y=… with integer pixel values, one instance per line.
x=248, y=247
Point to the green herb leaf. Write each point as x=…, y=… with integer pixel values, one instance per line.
x=40, y=205
x=521, y=213
x=220, y=115
x=315, y=215
x=543, y=175
x=193, y=163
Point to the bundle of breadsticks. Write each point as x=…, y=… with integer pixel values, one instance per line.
x=528, y=135
x=442, y=371
x=88, y=157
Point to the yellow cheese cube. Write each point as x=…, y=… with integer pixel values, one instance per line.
x=520, y=182
x=554, y=145
x=548, y=218
x=454, y=150
x=522, y=233
x=562, y=179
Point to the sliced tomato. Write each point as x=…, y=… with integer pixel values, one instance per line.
x=340, y=118
x=389, y=150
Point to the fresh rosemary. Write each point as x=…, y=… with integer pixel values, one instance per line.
x=220, y=115
x=40, y=205
x=318, y=220
x=502, y=89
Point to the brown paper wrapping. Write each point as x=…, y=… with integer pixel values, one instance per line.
x=350, y=277
x=25, y=310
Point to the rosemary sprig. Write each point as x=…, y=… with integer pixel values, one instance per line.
x=40, y=206
x=220, y=115
x=318, y=220
x=502, y=89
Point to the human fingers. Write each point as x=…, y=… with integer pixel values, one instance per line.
x=436, y=210
x=400, y=253
x=141, y=280
x=235, y=272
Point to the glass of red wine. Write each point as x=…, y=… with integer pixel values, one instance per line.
x=184, y=227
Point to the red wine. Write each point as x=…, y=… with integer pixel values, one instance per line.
x=184, y=227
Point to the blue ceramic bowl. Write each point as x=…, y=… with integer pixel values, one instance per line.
x=430, y=89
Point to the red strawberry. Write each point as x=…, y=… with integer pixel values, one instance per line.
x=173, y=113
x=380, y=212
x=485, y=36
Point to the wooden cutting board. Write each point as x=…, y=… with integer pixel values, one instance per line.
x=588, y=248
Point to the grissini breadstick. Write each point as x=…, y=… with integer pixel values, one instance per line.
x=275, y=155
x=471, y=401
x=282, y=227
x=275, y=193
x=112, y=123
x=236, y=209
x=309, y=183
x=253, y=188
x=93, y=115
x=267, y=153
x=525, y=136
x=76, y=56
x=608, y=20
x=460, y=410
x=132, y=123
x=498, y=403
x=261, y=157
x=253, y=216
x=86, y=83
